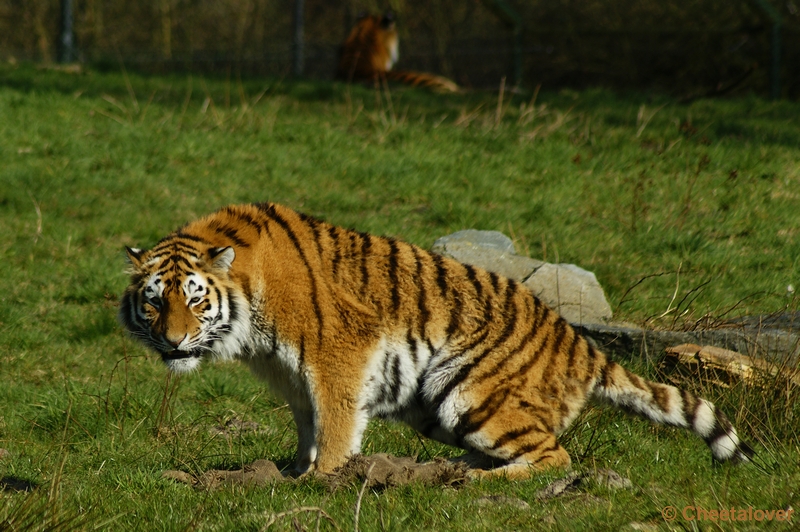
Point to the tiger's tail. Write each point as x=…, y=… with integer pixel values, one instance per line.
x=668, y=405
x=422, y=79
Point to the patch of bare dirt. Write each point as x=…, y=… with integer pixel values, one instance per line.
x=259, y=473
x=381, y=470
x=377, y=471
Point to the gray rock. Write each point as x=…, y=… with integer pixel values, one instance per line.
x=502, y=500
x=611, y=479
x=490, y=250
x=571, y=291
x=607, y=478
x=568, y=289
x=472, y=239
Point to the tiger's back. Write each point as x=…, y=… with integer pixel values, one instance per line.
x=348, y=326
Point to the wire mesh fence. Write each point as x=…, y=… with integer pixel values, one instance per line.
x=694, y=47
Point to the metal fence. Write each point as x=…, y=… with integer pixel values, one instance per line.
x=692, y=48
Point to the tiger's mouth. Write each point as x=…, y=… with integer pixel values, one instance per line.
x=179, y=355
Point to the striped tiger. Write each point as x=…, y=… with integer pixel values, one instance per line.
x=371, y=50
x=347, y=326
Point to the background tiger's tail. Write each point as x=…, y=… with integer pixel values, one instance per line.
x=422, y=79
x=671, y=406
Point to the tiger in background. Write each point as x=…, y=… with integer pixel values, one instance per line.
x=347, y=326
x=371, y=50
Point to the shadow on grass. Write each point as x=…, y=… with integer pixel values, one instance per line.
x=16, y=484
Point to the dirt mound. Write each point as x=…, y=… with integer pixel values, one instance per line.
x=384, y=471
x=378, y=471
x=381, y=471
x=259, y=473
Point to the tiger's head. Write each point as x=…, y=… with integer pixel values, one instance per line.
x=182, y=303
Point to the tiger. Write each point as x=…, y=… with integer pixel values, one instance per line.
x=371, y=50
x=346, y=326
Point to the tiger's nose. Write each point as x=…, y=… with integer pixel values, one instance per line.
x=174, y=341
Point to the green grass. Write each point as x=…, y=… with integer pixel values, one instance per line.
x=699, y=202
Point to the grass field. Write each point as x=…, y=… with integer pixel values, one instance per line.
x=687, y=213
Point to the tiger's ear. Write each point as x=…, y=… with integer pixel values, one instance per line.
x=222, y=258
x=134, y=256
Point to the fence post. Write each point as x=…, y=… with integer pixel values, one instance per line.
x=297, y=49
x=510, y=17
x=776, y=47
x=67, y=40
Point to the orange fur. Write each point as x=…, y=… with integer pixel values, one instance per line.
x=371, y=50
x=347, y=326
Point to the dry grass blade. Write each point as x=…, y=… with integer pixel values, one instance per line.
x=38, y=218
x=670, y=308
x=631, y=288
x=274, y=518
x=113, y=101
x=465, y=118
x=498, y=115
x=146, y=106
x=528, y=110
x=361, y=496
x=643, y=118
x=129, y=87
x=112, y=117
x=388, y=97
x=171, y=383
x=36, y=513
x=186, y=100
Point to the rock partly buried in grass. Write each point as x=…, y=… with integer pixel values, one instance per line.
x=236, y=426
x=383, y=471
x=603, y=477
x=259, y=473
x=178, y=476
x=502, y=500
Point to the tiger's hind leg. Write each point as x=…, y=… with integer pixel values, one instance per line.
x=520, y=441
x=549, y=454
